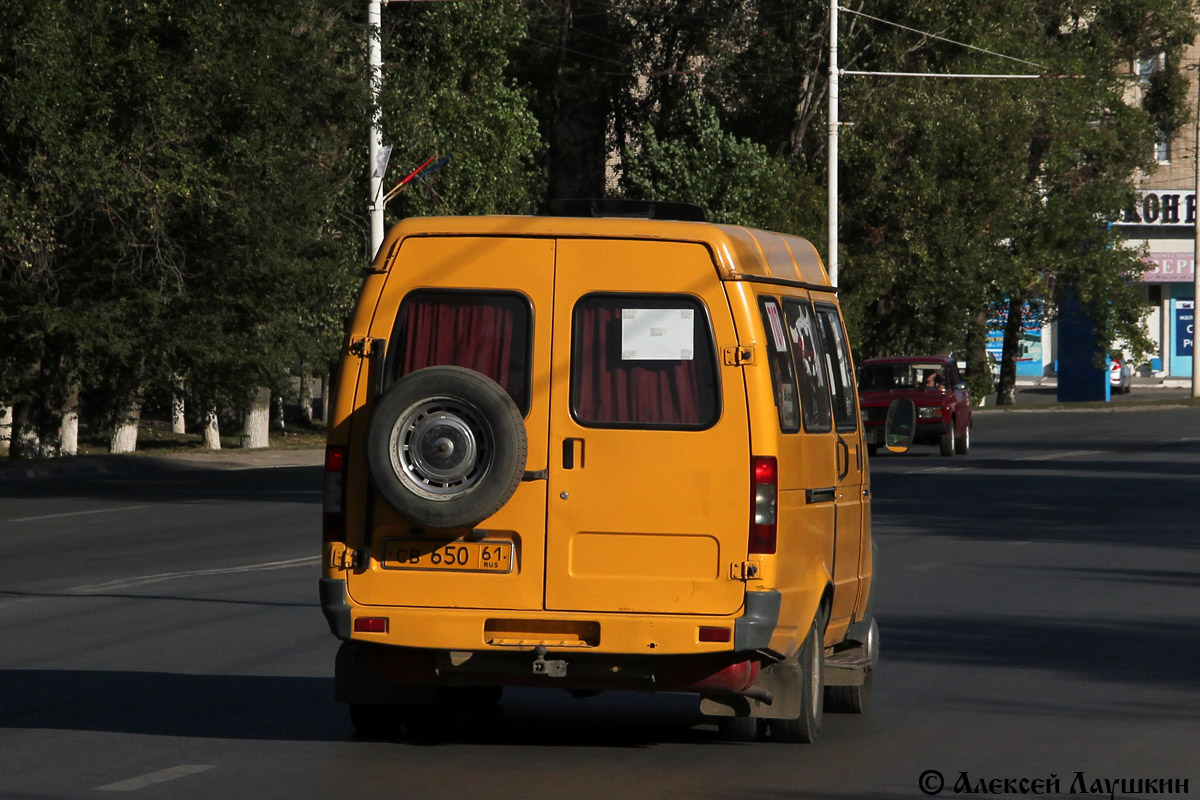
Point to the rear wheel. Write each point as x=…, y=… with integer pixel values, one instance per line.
x=856, y=699
x=806, y=727
x=741, y=729
x=454, y=709
x=432, y=722
x=947, y=441
x=375, y=720
x=475, y=697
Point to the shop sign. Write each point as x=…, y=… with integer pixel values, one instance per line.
x=1185, y=327
x=1161, y=209
x=1168, y=268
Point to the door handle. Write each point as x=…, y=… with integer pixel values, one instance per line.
x=572, y=454
x=843, y=450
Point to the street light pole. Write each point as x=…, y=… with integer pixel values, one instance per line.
x=375, y=45
x=831, y=258
x=1196, y=236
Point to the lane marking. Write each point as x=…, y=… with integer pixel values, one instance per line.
x=128, y=583
x=151, y=778
x=1070, y=454
x=75, y=513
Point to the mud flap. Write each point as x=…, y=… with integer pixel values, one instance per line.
x=781, y=682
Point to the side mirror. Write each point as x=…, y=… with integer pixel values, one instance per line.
x=901, y=425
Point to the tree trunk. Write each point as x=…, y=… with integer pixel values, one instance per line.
x=326, y=393
x=979, y=373
x=25, y=442
x=212, y=431
x=1006, y=390
x=6, y=428
x=50, y=407
x=178, y=420
x=125, y=427
x=305, y=399
x=258, y=418
x=70, y=422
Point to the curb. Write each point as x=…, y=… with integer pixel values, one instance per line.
x=136, y=464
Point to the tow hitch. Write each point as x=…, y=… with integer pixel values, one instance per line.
x=552, y=668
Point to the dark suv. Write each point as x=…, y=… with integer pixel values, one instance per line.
x=935, y=387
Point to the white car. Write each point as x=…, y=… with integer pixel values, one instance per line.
x=1120, y=375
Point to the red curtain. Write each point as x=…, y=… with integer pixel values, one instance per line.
x=487, y=334
x=610, y=390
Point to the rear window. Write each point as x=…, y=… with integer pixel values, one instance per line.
x=903, y=376
x=489, y=332
x=643, y=361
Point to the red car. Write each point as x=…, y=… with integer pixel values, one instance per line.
x=935, y=387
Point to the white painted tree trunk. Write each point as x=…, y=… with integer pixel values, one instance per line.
x=305, y=399
x=212, y=431
x=6, y=420
x=178, y=421
x=70, y=423
x=258, y=420
x=325, y=381
x=125, y=429
x=25, y=441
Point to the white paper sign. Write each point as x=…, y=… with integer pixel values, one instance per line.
x=657, y=334
x=776, y=328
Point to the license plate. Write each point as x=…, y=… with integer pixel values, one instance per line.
x=484, y=556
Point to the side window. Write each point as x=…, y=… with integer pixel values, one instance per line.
x=954, y=378
x=643, y=361
x=489, y=332
x=783, y=377
x=837, y=361
x=810, y=368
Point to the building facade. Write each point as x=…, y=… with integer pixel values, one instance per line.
x=1163, y=221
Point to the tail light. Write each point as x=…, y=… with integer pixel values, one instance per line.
x=334, y=499
x=764, y=494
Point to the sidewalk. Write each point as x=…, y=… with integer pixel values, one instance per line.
x=128, y=465
x=1044, y=391
x=1138, y=381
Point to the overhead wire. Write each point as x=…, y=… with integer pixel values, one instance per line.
x=941, y=38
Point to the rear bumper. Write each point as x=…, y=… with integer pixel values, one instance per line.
x=373, y=674
x=482, y=630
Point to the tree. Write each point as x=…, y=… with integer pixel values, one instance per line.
x=172, y=184
x=961, y=195
x=445, y=93
x=734, y=180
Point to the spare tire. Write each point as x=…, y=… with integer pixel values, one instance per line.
x=446, y=447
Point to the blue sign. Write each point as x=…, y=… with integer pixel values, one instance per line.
x=1185, y=327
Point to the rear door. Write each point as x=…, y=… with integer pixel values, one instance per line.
x=648, y=505
x=485, y=303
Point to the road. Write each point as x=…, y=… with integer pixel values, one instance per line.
x=160, y=638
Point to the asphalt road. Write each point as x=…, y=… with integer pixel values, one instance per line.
x=160, y=638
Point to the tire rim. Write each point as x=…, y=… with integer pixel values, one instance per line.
x=440, y=448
